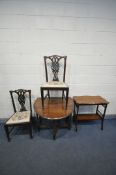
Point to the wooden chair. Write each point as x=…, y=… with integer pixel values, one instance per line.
x=21, y=115
x=55, y=71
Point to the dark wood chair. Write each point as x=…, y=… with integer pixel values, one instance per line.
x=21, y=100
x=53, y=66
x=55, y=71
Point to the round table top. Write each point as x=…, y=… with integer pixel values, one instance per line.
x=54, y=108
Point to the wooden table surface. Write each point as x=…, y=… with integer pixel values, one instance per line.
x=89, y=100
x=55, y=108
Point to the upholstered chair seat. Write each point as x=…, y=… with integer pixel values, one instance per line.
x=55, y=84
x=19, y=117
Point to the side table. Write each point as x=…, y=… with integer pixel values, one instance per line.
x=89, y=100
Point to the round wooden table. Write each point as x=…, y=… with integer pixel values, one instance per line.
x=54, y=110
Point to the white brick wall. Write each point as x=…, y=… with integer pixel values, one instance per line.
x=84, y=30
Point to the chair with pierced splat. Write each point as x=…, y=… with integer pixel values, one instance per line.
x=55, y=70
x=21, y=115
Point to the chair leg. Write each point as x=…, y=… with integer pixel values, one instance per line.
x=7, y=132
x=49, y=94
x=63, y=94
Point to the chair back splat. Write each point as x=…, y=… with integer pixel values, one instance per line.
x=55, y=67
x=55, y=70
x=22, y=94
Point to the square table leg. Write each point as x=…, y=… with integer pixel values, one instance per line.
x=76, y=112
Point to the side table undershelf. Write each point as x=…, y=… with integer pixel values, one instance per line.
x=89, y=101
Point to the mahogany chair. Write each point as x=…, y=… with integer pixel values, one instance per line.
x=55, y=70
x=21, y=101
